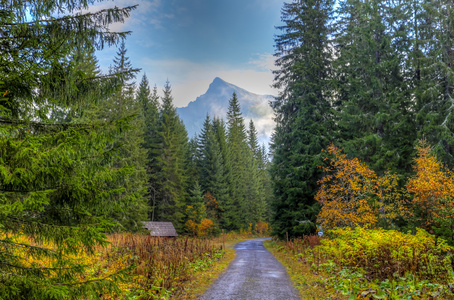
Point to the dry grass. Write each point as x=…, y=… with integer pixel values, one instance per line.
x=181, y=268
x=153, y=268
x=163, y=265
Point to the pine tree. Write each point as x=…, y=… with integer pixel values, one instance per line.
x=57, y=183
x=196, y=207
x=374, y=108
x=130, y=153
x=257, y=178
x=194, y=172
x=237, y=142
x=128, y=145
x=88, y=82
x=172, y=161
x=223, y=177
x=266, y=190
x=203, y=153
x=302, y=113
x=149, y=102
x=434, y=63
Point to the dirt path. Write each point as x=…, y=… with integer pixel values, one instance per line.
x=254, y=274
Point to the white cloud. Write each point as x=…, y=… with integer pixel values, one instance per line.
x=190, y=80
x=264, y=61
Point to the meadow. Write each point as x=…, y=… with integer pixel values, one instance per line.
x=145, y=267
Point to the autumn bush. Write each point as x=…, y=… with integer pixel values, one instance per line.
x=363, y=260
x=431, y=189
x=384, y=254
x=350, y=193
x=262, y=228
x=372, y=264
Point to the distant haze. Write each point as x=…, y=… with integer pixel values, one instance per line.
x=215, y=103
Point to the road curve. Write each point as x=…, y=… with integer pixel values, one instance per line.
x=254, y=274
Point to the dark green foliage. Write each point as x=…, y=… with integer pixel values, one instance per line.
x=34, y=53
x=237, y=143
x=433, y=65
x=222, y=179
x=258, y=187
x=232, y=169
x=388, y=84
x=58, y=181
x=302, y=113
x=172, y=160
x=196, y=209
x=57, y=185
x=150, y=113
x=374, y=109
x=129, y=151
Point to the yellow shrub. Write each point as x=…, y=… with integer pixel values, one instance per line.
x=262, y=228
x=385, y=253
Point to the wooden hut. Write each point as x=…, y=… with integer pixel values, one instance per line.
x=161, y=229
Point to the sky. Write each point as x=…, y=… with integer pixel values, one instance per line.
x=190, y=42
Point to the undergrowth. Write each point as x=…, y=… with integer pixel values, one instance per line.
x=372, y=264
x=154, y=268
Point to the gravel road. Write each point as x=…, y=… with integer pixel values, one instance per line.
x=254, y=274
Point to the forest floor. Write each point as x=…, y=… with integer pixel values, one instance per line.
x=254, y=274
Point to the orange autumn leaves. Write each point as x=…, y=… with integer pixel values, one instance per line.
x=346, y=192
x=351, y=194
x=432, y=188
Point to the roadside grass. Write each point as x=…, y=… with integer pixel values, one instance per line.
x=368, y=264
x=203, y=277
x=310, y=284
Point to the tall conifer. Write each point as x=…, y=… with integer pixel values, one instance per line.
x=57, y=182
x=302, y=112
x=374, y=106
x=223, y=196
x=172, y=160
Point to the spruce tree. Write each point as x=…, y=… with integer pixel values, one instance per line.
x=172, y=160
x=223, y=177
x=266, y=190
x=57, y=182
x=149, y=102
x=130, y=152
x=237, y=142
x=374, y=110
x=196, y=209
x=204, y=153
x=256, y=185
x=435, y=78
x=302, y=112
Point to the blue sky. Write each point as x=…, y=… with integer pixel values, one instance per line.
x=190, y=42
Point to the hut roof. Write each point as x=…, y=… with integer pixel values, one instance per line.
x=160, y=228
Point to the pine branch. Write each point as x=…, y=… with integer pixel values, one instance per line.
x=113, y=15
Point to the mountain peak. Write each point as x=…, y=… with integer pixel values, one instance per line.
x=217, y=82
x=215, y=102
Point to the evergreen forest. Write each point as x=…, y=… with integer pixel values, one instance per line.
x=364, y=125
x=374, y=78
